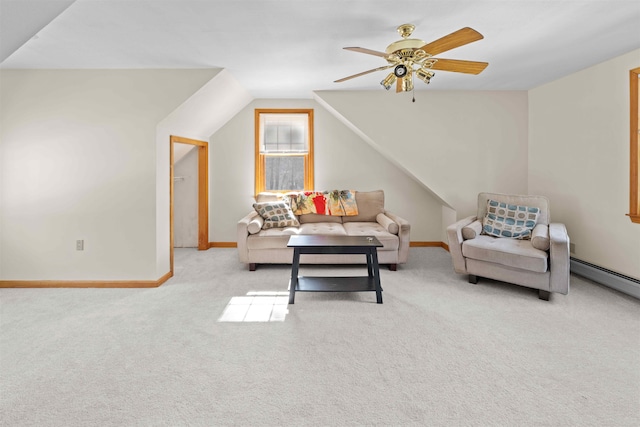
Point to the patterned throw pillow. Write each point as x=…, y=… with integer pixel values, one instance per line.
x=276, y=214
x=504, y=220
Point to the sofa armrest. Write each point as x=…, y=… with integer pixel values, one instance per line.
x=242, y=234
x=540, y=237
x=471, y=231
x=454, y=235
x=387, y=223
x=559, y=265
x=404, y=234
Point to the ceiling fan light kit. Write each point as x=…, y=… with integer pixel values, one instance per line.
x=425, y=75
x=389, y=81
x=408, y=56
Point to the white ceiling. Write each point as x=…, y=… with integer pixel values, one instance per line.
x=289, y=48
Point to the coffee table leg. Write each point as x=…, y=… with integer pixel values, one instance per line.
x=370, y=261
x=376, y=275
x=293, y=283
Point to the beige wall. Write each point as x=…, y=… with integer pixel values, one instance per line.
x=206, y=111
x=456, y=143
x=84, y=155
x=342, y=161
x=579, y=158
x=78, y=161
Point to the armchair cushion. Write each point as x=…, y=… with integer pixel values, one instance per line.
x=509, y=252
x=507, y=220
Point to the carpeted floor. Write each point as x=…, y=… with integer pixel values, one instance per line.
x=438, y=352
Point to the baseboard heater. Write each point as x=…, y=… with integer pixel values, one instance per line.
x=617, y=281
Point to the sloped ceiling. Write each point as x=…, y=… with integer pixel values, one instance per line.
x=22, y=20
x=290, y=48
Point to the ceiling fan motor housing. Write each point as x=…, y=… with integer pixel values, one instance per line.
x=405, y=44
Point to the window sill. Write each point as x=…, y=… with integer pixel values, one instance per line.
x=635, y=218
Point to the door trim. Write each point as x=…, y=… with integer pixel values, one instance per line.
x=203, y=191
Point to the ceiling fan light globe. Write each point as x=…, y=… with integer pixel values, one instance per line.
x=407, y=84
x=388, y=81
x=425, y=75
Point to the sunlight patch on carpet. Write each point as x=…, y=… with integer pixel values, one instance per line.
x=261, y=306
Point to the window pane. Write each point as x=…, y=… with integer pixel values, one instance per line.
x=297, y=133
x=284, y=150
x=284, y=133
x=284, y=173
x=270, y=134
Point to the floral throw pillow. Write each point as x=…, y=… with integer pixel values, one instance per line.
x=514, y=221
x=276, y=214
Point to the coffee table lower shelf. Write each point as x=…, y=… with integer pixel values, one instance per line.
x=327, y=245
x=335, y=284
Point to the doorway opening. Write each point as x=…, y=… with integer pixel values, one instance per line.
x=180, y=150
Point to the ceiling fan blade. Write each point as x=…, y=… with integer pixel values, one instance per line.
x=367, y=51
x=363, y=73
x=458, y=38
x=459, y=66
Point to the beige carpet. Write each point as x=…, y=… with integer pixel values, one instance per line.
x=438, y=352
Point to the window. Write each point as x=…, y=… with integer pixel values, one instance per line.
x=634, y=184
x=284, y=150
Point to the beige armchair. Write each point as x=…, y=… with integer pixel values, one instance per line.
x=540, y=261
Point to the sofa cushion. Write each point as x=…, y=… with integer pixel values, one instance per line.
x=323, y=228
x=370, y=204
x=509, y=252
x=276, y=214
x=506, y=220
x=388, y=240
x=307, y=218
x=265, y=196
x=272, y=238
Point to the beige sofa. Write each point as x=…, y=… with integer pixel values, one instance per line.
x=269, y=246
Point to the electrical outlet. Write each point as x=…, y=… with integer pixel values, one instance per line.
x=79, y=245
x=572, y=248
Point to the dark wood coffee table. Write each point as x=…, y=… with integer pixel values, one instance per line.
x=366, y=245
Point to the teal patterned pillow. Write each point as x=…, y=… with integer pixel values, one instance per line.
x=276, y=214
x=504, y=220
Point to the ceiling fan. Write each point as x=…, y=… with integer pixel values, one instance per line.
x=409, y=56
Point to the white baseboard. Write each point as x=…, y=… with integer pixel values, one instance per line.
x=611, y=279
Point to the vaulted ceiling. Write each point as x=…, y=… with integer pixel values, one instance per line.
x=290, y=48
